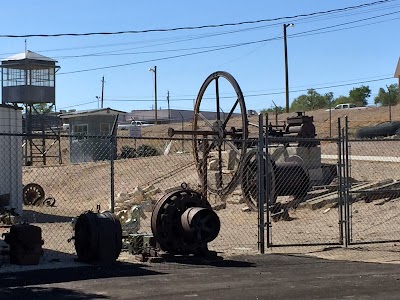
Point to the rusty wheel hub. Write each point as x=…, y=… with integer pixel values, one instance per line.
x=183, y=222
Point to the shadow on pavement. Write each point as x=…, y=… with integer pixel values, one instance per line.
x=212, y=260
x=46, y=293
x=47, y=276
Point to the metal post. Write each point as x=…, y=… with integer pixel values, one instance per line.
x=154, y=70
x=183, y=137
x=340, y=178
x=261, y=187
x=267, y=184
x=390, y=105
x=102, y=92
x=204, y=166
x=113, y=146
x=344, y=187
x=169, y=109
x=286, y=67
x=330, y=118
x=348, y=183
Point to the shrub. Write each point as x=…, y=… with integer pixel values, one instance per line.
x=141, y=151
x=146, y=150
x=128, y=152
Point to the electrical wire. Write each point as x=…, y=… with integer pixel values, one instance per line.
x=201, y=26
x=252, y=94
x=247, y=95
x=201, y=36
x=224, y=47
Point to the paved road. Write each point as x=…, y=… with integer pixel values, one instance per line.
x=247, y=277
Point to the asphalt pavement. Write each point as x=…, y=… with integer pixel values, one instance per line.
x=271, y=276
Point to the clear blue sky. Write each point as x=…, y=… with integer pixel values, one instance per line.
x=324, y=50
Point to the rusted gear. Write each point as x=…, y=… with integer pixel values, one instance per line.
x=183, y=222
x=32, y=193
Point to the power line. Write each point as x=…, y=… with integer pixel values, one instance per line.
x=224, y=47
x=316, y=85
x=245, y=94
x=201, y=26
x=79, y=104
x=346, y=23
x=254, y=95
x=322, y=87
x=305, y=33
x=201, y=36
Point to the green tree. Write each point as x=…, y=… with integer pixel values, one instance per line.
x=390, y=96
x=311, y=101
x=277, y=109
x=359, y=96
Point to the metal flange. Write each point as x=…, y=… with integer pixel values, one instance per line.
x=183, y=222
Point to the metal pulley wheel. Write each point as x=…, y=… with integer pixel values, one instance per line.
x=183, y=222
x=250, y=175
x=288, y=178
x=226, y=146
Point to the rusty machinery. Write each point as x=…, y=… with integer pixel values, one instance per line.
x=225, y=156
x=182, y=221
x=33, y=194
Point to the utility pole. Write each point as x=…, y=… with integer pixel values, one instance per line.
x=154, y=70
x=286, y=64
x=390, y=105
x=102, y=92
x=169, y=111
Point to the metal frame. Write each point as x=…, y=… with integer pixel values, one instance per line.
x=348, y=221
x=341, y=176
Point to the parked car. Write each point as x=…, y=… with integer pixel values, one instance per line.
x=347, y=106
x=133, y=123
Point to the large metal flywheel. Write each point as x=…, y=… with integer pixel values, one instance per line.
x=222, y=111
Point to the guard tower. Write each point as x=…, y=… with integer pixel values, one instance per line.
x=29, y=79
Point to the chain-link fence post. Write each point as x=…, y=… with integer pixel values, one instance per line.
x=345, y=180
x=261, y=183
x=113, y=152
x=267, y=182
x=340, y=182
x=347, y=183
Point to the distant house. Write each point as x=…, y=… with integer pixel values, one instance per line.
x=88, y=130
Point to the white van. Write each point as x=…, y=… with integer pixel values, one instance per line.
x=345, y=106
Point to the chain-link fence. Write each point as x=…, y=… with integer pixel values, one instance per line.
x=314, y=186
x=304, y=203
x=373, y=190
x=125, y=174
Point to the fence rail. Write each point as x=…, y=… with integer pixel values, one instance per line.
x=295, y=191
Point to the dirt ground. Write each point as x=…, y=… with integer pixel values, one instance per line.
x=82, y=187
